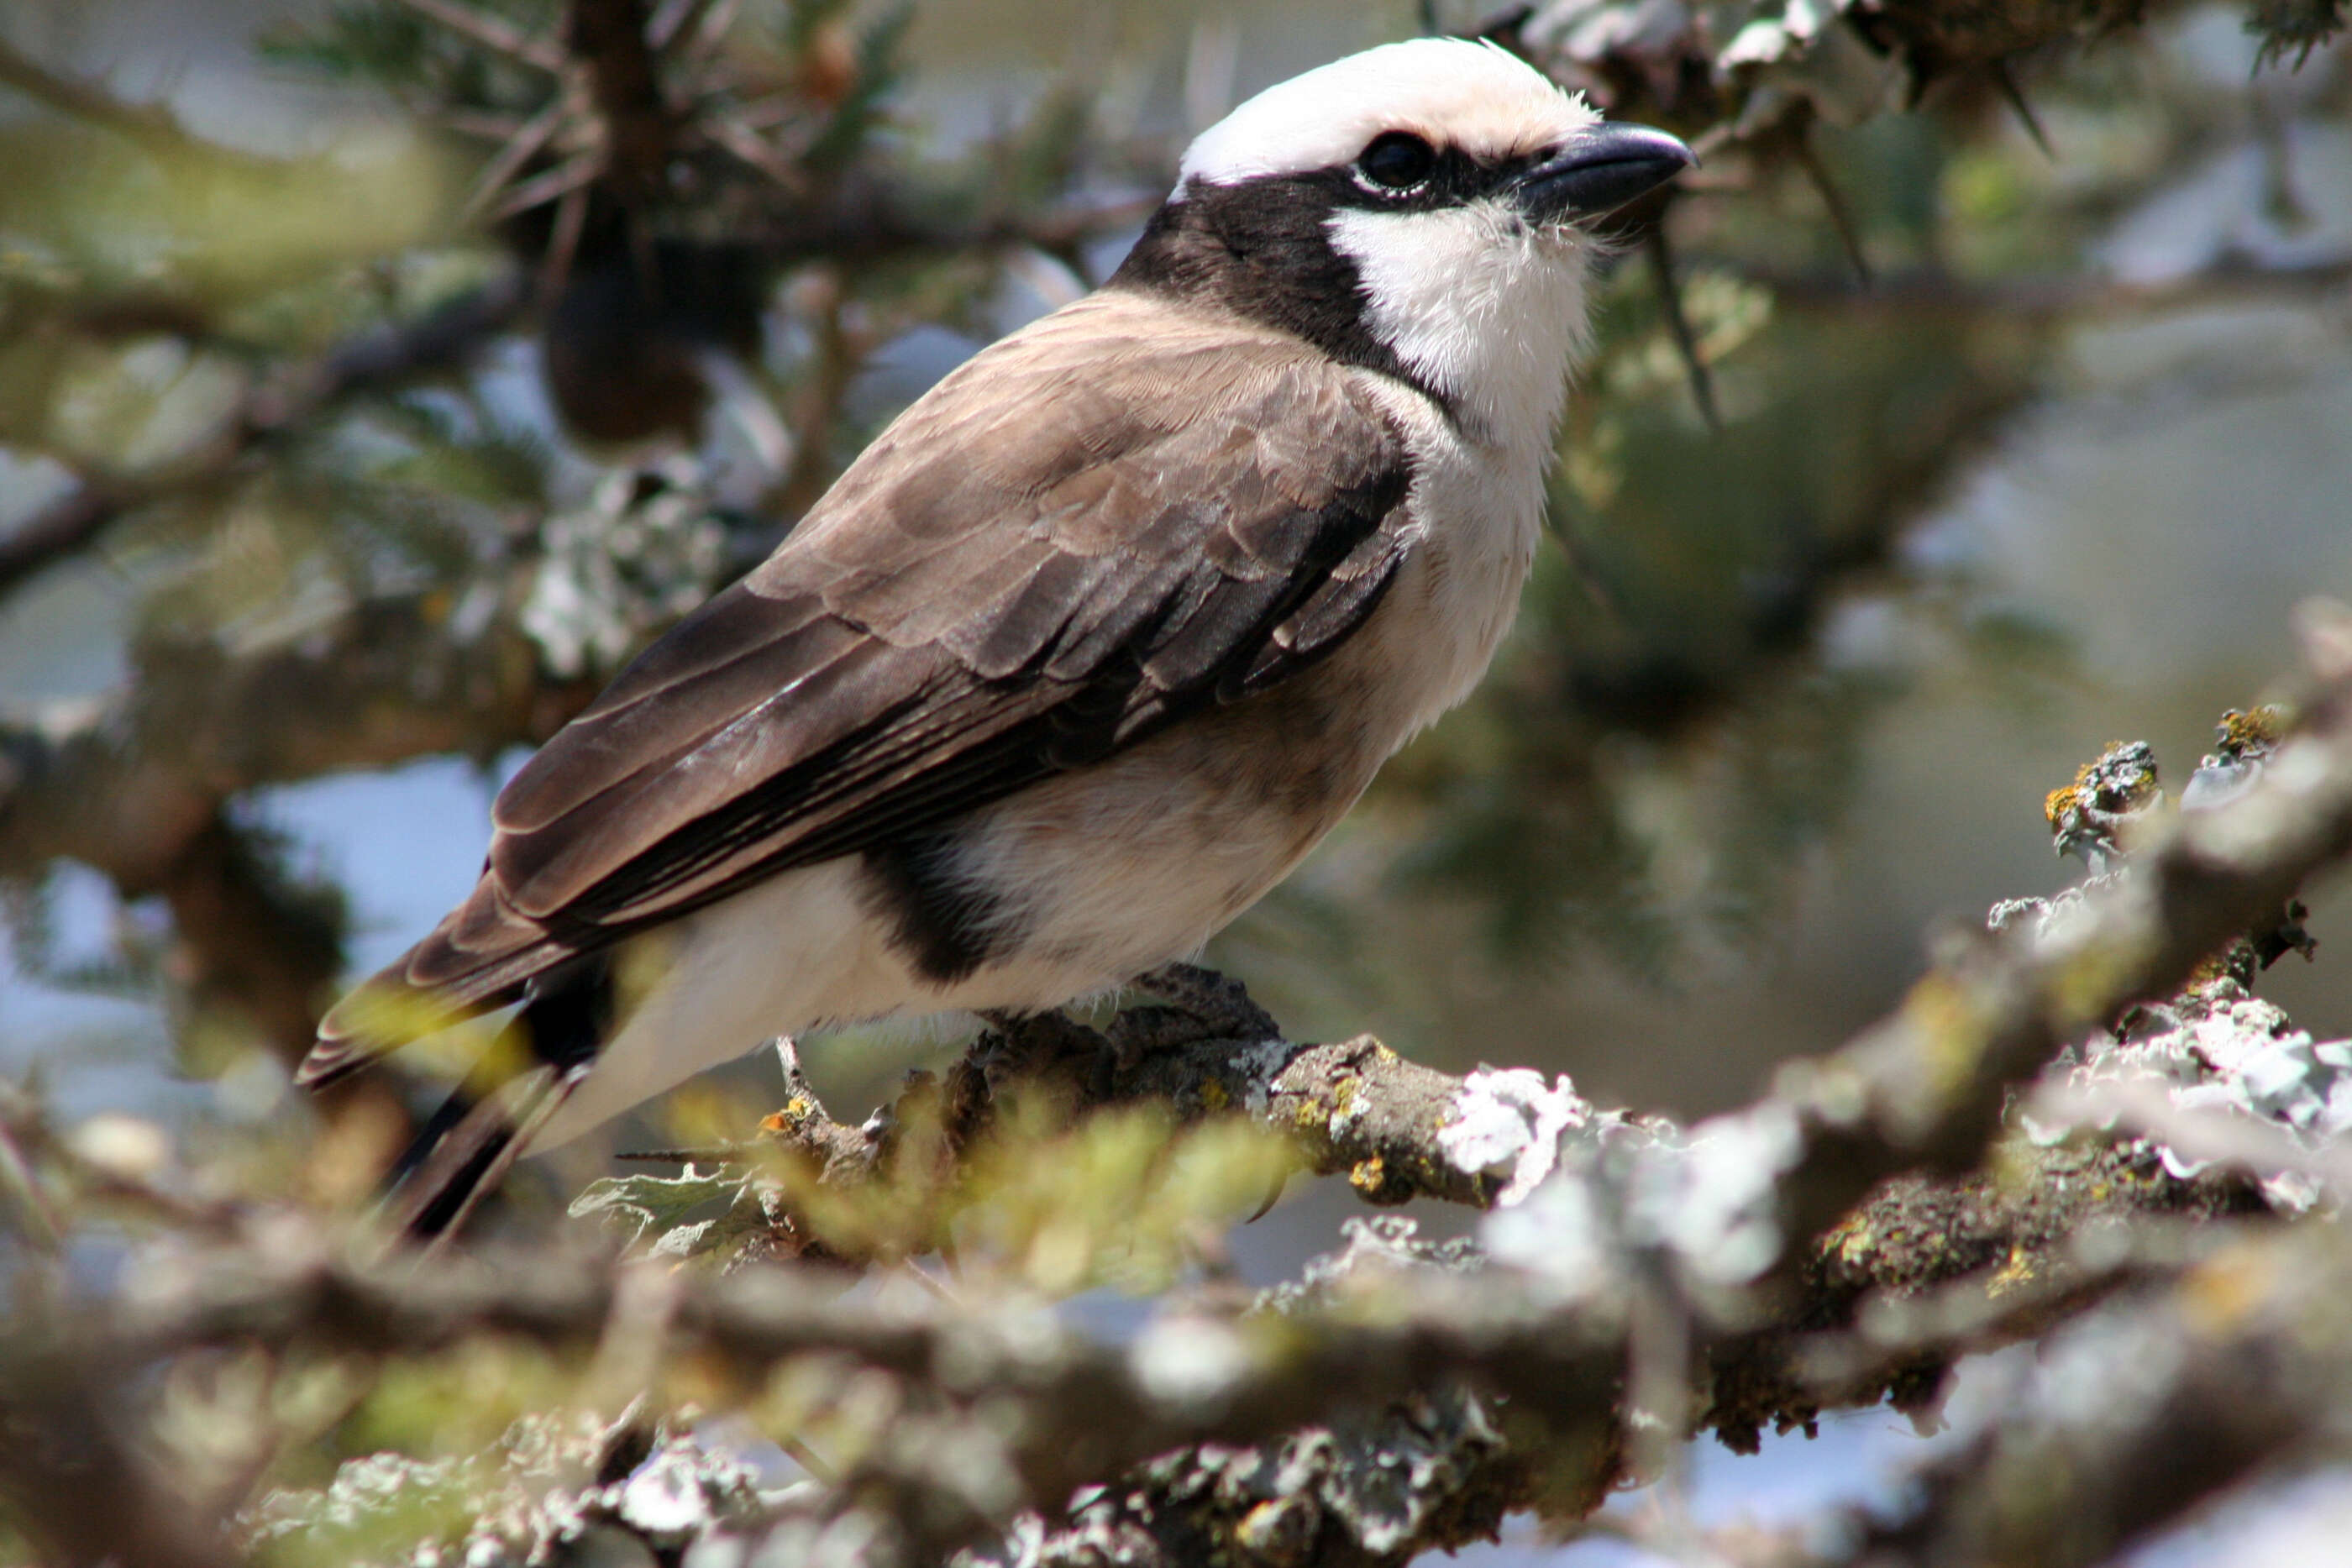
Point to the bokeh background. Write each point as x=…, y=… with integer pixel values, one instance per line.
x=1992, y=413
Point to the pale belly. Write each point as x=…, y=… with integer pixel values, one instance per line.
x=1103, y=873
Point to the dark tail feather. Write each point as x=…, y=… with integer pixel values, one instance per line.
x=466, y=1149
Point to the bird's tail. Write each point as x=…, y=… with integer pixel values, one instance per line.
x=465, y=1151
x=516, y=1083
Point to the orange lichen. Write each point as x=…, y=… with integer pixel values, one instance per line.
x=2256, y=729
x=797, y=1111
x=2064, y=798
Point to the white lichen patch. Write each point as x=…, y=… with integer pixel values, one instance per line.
x=1715, y=1203
x=1258, y=1066
x=2062, y=920
x=1561, y=1237
x=2221, y=1058
x=1509, y=1124
x=1706, y=1199
x=1191, y=1363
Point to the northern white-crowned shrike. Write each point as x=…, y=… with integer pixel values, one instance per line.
x=1089, y=648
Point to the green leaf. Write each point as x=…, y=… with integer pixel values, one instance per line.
x=644, y=1204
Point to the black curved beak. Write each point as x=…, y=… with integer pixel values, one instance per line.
x=1600, y=171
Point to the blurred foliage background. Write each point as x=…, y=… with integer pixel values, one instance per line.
x=377, y=375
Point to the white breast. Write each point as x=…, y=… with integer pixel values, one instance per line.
x=1477, y=510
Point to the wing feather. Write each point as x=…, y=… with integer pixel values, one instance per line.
x=1091, y=528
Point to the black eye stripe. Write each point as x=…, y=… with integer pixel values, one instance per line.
x=1268, y=248
x=1424, y=177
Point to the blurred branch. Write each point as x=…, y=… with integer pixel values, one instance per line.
x=861, y=220
x=247, y=942
x=152, y=129
x=2236, y=1367
x=279, y=406
x=1738, y=75
x=1369, y=1336
x=609, y=38
x=440, y=341
x=1659, y=251
x=66, y=526
x=2233, y=278
x=491, y=32
x=128, y=785
x=138, y=786
x=77, y=1484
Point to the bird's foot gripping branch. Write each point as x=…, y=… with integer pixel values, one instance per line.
x=1151, y=1091
x=2051, y=1138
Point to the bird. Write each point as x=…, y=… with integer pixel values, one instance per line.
x=1084, y=651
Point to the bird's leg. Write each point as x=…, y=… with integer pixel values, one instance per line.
x=1195, y=1005
x=1029, y=1042
x=1215, y=1006
x=1221, y=1006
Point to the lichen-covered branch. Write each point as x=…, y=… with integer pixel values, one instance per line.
x=1743, y=73
x=1324, y=1388
x=1924, y=1090
x=2235, y=1364
x=1395, y=1129
x=1480, y=1380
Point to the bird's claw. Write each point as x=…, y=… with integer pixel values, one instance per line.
x=1221, y=1006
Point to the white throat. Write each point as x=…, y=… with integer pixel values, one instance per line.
x=1479, y=305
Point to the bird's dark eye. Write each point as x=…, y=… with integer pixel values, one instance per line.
x=1397, y=161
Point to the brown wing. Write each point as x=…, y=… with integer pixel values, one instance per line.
x=1086, y=530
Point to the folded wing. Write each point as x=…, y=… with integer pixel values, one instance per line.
x=1089, y=529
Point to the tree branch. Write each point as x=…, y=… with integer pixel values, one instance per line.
x=66, y=525
x=153, y=129
x=441, y=341
x=1720, y=1217
x=609, y=38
